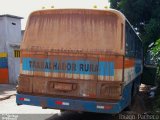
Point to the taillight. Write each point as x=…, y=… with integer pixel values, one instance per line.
x=111, y=91
x=58, y=102
x=62, y=103
x=21, y=99
x=105, y=107
x=25, y=99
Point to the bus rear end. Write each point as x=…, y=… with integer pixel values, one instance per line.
x=72, y=59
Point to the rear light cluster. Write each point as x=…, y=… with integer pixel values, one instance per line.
x=111, y=91
x=25, y=99
x=25, y=84
x=62, y=103
x=105, y=107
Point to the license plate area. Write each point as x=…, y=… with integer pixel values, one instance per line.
x=60, y=86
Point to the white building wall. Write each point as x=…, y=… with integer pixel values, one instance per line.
x=10, y=35
x=14, y=37
x=3, y=34
x=14, y=30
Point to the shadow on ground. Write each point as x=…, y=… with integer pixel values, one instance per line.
x=82, y=116
x=6, y=91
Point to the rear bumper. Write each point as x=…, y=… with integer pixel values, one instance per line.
x=70, y=104
x=78, y=104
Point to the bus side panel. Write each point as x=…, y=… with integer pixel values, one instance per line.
x=132, y=76
x=132, y=69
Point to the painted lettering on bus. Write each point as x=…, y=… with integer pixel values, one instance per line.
x=62, y=66
x=85, y=67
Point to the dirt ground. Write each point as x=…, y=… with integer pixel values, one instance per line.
x=142, y=107
x=143, y=103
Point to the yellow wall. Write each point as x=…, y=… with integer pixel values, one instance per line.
x=3, y=54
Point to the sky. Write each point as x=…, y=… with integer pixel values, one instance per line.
x=23, y=8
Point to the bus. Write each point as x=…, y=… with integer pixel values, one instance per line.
x=79, y=60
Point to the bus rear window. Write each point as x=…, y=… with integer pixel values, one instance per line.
x=72, y=31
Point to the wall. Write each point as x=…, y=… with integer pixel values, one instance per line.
x=3, y=68
x=3, y=35
x=10, y=37
x=14, y=37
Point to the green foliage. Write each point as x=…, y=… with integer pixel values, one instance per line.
x=156, y=54
x=156, y=49
x=152, y=32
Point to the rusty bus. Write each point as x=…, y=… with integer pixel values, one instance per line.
x=80, y=60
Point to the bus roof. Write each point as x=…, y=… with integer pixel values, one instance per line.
x=75, y=10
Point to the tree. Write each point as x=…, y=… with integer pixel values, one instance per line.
x=156, y=55
x=156, y=50
x=144, y=15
